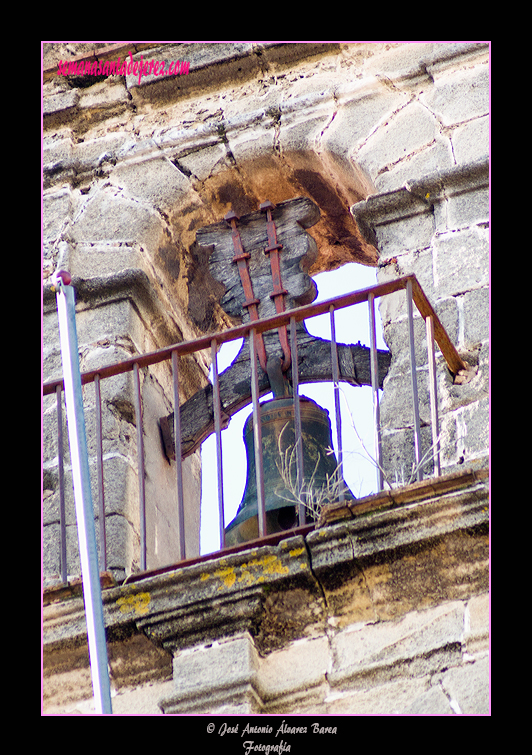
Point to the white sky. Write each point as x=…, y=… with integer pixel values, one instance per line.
x=352, y=325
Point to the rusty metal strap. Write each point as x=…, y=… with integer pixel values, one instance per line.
x=273, y=249
x=251, y=303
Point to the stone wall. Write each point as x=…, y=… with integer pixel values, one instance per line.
x=397, y=132
x=437, y=228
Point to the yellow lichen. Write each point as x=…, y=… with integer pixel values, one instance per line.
x=138, y=603
x=248, y=572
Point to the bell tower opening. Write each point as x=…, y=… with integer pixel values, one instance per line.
x=359, y=467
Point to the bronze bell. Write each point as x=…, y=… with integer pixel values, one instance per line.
x=282, y=488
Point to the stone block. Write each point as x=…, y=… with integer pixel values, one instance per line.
x=362, y=106
x=109, y=216
x=397, y=403
x=459, y=95
x=57, y=159
x=398, y=452
x=299, y=672
x=57, y=210
x=93, y=157
x=99, y=260
x=396, y=334
x=475, y=309
x=104, y=98
x=122, y=516
x=157, y=182
x=204, y=162
x=215, y=678
x=58, y=103
x=408, y=131
x=468, y=688
x=471, y=141
x=437, y=156
x=477, y=625
x=433, y=702
x=404, y=61
x=468, y=208
x=461, y=261
x=405, y=234
x=122, y=540
x=465, y=433
x=421, y=643
x=107, y=331
x=302, y=119
x=387, y=699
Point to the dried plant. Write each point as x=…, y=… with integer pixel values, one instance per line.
x=312, y=497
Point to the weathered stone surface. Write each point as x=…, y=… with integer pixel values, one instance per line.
x=110, y=215
x=218, y=678
x=376, y=651
x=156, y=181
x=411, y=129
x=288, y=673
x=460, y=261
x=471, y=141
x=458, y=96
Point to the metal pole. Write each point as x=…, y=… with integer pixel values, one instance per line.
x=375, y=392
x=62, y=514
x=257, y=435
x=101, y=493
x=337, y=412
x=218, y=432
x=82, y=494
x=297, y=419
x=181, y=547
x=140, y=464
x=413, y=376
x=433, y=389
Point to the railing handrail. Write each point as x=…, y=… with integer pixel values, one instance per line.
x=453, y=359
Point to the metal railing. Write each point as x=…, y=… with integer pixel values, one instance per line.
x=414, y=295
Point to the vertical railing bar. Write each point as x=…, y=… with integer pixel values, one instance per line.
x=257, y=435
x=101, y=493
x=302, y=515
x=218, y=434
x=413, y=375
x=375, y=391
x=140, y=463
x=433, y=390
x=337, y=411
x=61, y=470
x=181, y=546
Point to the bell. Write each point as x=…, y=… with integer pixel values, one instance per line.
x=283, y=488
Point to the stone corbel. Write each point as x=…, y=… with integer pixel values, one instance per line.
x=417, y=197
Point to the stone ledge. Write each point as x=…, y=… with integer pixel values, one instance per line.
x=249, y=589
x=211, y=65
x=416, y=492
x=417, y=197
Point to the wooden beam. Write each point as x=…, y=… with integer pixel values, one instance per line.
x=314, y=360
